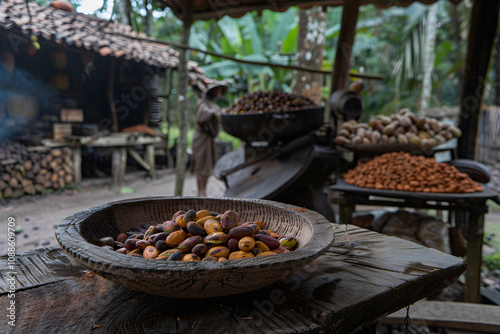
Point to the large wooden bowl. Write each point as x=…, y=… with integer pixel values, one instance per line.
x=78, y=234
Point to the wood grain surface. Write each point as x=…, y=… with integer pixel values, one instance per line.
x=363, y=277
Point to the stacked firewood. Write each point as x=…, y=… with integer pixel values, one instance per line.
x=27, y=172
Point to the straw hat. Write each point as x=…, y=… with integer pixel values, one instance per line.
x=216, y=84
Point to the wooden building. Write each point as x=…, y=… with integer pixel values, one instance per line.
x=70, y=83
x=98, y=72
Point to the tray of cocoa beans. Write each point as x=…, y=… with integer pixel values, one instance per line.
x=272, y=117
x=402, y=131
x=193, y=247
x=401, y=171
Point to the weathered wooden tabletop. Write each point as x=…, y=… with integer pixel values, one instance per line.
x=363, y=277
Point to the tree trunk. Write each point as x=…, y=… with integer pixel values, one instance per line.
x=430, y=43
x=183, y=100
x=310, y=45
x=124, y=10
x=148, y=20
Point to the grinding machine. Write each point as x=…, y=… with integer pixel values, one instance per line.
x=288, y=156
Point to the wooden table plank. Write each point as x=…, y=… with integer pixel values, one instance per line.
x=358, y=281
x=463, y=316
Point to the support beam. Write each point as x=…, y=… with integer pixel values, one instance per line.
x=340, y=79
x=483, y=27
x=180, y=168
x=111, y=94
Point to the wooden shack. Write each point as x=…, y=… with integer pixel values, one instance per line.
x=62, y=66
x=78, y=82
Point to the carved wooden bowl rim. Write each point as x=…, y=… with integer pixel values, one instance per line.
x=109, y=263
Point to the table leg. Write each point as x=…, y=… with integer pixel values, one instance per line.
x=77, y=163
x=119, y=165
x=150, y=159
x=345, y=213
x=472, y=287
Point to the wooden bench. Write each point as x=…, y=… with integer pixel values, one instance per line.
x=451, y=315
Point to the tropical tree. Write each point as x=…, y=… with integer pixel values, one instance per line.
x=269, y=37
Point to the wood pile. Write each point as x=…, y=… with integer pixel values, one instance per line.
x=24, y=171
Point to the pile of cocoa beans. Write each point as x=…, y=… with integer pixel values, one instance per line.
x=399, y=128
x=405, y=172
x=266, y=102
x=200, y=236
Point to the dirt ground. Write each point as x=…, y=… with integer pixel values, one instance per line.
x=38, y=216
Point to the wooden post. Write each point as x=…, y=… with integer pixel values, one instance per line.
x=150, y=159
x=118, y=165
x=483, y=27
x=77, y=163
x=472, y=293
x=180, y=167
x=111, y=94
x=340, y=75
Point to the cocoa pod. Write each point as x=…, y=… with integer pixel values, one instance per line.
x=161, y=245
x=176, y=256
x=195, y=228
x=232, y=244
x=216, y=239
x=239, y=255
x=190, y=215
x=241, y=232
x=170, y=226
x=229, y=220
x=212, y=226
x=268, y=240
x=191, y=257
x=218, y=251
x=201, y=214
x=199, y=249
x=150, y=252
x=186, y=245
x=106, y=241
x=246, y=244
x=175, y=238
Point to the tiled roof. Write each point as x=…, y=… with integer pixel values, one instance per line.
x=107, y=38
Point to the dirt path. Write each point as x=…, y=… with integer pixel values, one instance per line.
x=40, y=215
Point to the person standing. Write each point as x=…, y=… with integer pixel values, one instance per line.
x=206, y=129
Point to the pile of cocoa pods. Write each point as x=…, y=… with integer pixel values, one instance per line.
x=200, y=236
x=399, y=128
x=272, y=101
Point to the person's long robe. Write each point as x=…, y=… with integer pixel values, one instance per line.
x=206, y=129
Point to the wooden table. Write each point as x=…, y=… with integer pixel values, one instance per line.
x=121, y=143
x=474, y=204
x=359, y=280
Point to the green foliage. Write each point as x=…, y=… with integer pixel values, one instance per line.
x=492, y=262
x=388, y=42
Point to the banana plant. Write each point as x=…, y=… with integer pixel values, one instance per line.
x=252, y=37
